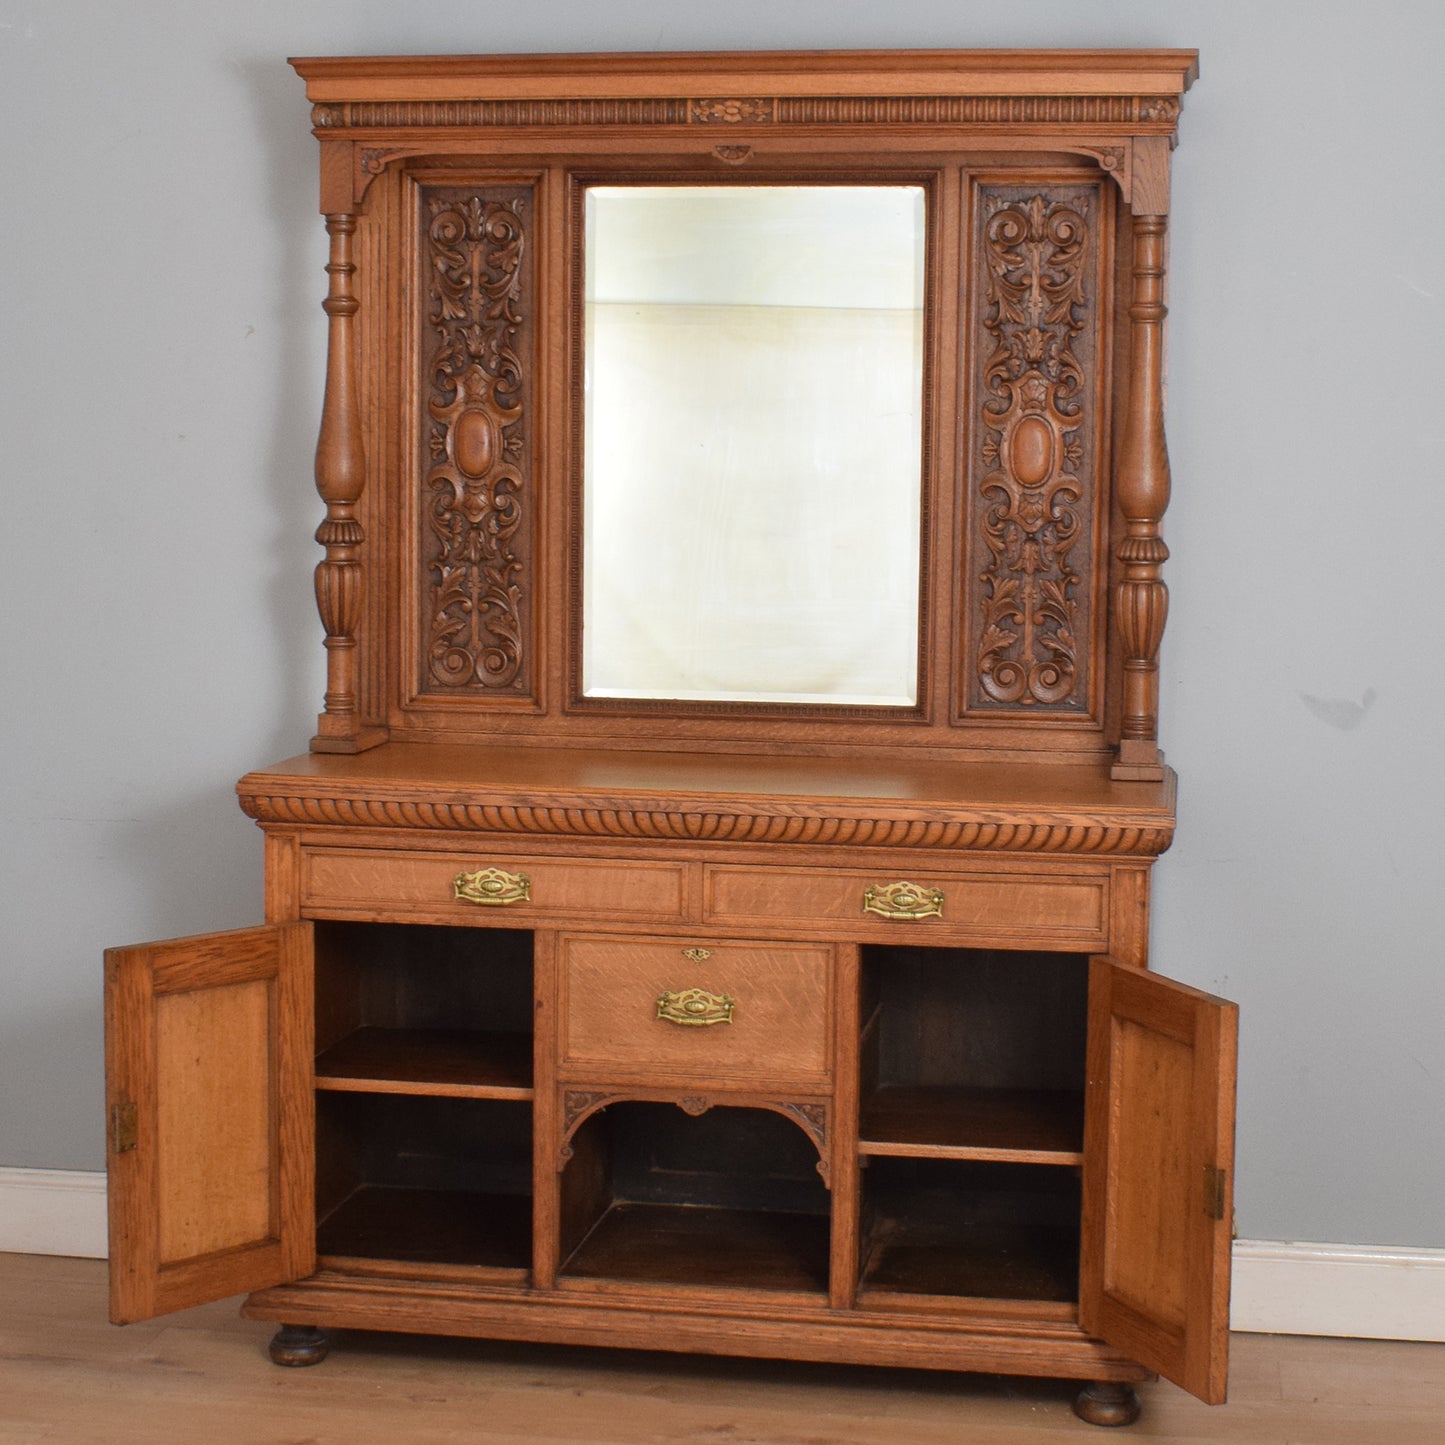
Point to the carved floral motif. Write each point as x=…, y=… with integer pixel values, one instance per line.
x=475, y=492
x=1033, y=500
x=1159, y=108
x=577, y=1103
x=732, y=112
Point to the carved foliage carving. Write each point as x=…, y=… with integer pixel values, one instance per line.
x=1033, y=450
x=476, y=492
x=579, y=1104
x=732, y=112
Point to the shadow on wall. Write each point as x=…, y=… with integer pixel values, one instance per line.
x=191, y=865
x=282, y=136
x=1340, y=712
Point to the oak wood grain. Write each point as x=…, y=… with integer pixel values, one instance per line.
x=778, y=1007
x=209, y=1041
x=1159, y=1122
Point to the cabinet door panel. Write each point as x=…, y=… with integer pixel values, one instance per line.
x=1158, y=1174
x=208, y=1079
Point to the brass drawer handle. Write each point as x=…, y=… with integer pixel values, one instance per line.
x=903, y=900
x=695, y=1008
x=493, y=887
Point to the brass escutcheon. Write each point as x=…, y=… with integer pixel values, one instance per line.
x=903, y=900
x=493, y=887
x=697, y=954
x=695, y=1008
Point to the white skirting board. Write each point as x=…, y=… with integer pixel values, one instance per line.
x=1368, y=1291
x=52, y=1211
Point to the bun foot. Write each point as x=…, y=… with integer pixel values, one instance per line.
x=297, y=1345
x=1107, y=1403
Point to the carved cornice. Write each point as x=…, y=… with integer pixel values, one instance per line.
x=1134, y=113
x=962, y=829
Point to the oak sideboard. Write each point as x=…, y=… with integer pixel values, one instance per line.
x=713, y=913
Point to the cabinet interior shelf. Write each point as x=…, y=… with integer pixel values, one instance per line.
x=1023, y=1126
x=430, y=1226
x=997, y=1260
x=454, y=1063
x=970, y=1229
x=697, y=1246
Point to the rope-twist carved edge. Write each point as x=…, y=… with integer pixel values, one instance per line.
x=1020, y=836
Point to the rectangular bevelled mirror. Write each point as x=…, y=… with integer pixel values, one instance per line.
x=753, y=443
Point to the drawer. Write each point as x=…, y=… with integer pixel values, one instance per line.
x=498, y=888
x=1020, y=909
x=697, y=1009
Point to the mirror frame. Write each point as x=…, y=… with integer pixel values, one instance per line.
x=579, y=182
x=970, y=125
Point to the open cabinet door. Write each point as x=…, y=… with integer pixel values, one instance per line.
x=210, y=1136
x=1158, y=1174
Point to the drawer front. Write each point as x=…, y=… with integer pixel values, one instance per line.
x=700, y=1010
x=912, y=906
x=488, y=888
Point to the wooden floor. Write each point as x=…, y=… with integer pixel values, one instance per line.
x=203, y=1378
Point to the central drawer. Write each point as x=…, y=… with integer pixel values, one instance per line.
x=699, y=1010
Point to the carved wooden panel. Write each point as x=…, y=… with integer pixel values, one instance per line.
x=1033, y=430
x=477, y=506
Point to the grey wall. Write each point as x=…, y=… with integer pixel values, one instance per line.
x=159, y=369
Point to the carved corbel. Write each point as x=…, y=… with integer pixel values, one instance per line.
x=370, y=162
x=1116, y=161
x=1148, y=190
x=347, y=167
x=1140, y=168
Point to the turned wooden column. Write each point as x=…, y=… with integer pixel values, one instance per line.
x=340, y=477
x=1141, y=490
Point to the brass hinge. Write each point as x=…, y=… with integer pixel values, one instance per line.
x=1214, y=1181
x=123, y=1129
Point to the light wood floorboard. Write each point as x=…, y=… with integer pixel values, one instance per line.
x=203, y=1376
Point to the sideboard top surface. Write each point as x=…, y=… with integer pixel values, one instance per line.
x=619, y=793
